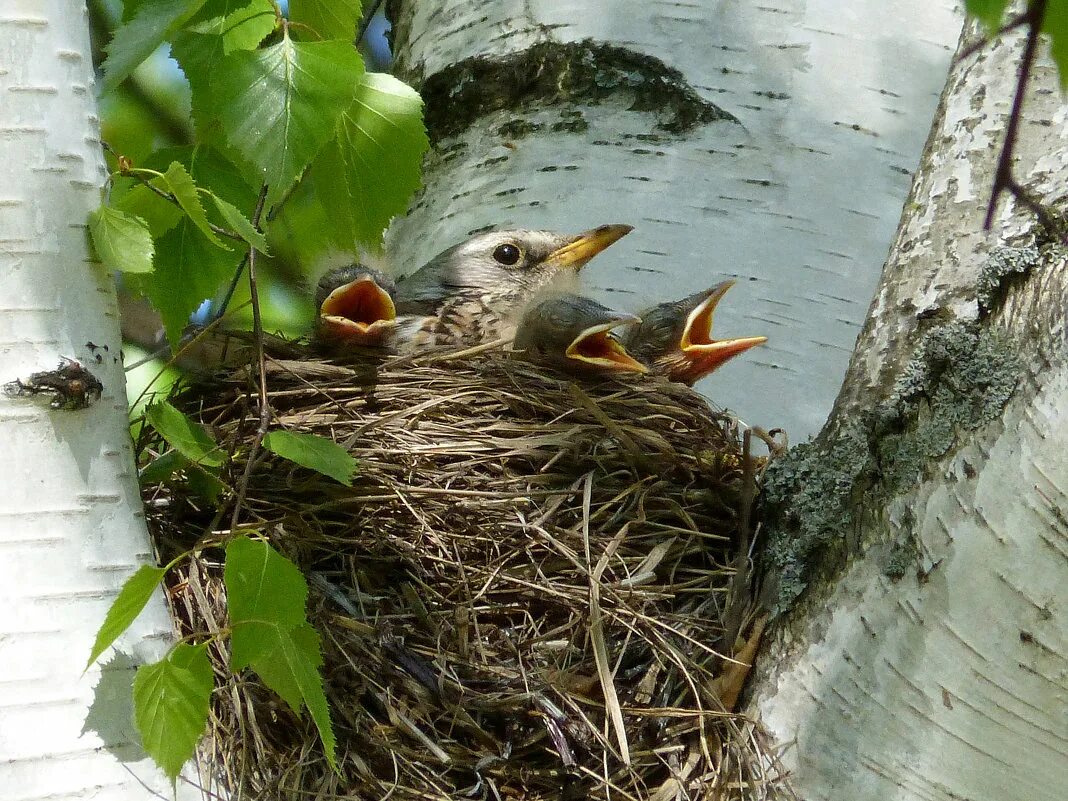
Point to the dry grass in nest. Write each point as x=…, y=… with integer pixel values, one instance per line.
x=528, y=580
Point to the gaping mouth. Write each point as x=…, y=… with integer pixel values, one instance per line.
x=697, y=339
x=359, y=308
x=586, y=245
x=597, y=347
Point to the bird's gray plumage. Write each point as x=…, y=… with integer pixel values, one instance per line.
x=549, y=329
x=663, y=325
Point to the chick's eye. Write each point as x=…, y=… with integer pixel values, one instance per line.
x=507, y=254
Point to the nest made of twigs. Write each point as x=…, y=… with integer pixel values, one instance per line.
x=526, y=593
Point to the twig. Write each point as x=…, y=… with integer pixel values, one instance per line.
x=257, y=330
x=732, y=619
x=1003, y=177
x=1021, y=19
x=365, y=23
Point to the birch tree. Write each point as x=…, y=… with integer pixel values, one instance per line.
x=774, y=144
x=927, y=656
x=72, y=525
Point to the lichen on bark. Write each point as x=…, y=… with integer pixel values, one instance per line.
x=959, y=378
x=566, y=75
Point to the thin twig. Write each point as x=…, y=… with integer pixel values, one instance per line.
x=1003, y=177
x=168, y=196
x=365, y=23
x=737, y=598
x=257, y=330
x=1021, y=19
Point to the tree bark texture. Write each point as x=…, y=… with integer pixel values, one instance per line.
x=71, y=525
x=774, y=143
x=927, y=658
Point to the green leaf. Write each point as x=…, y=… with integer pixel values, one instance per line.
x=161, y=468
x=240, y=224
x=189, y=270
x=294, y=654
x=122, y=240
x=247, y=27
x=205, y=483
x=989, y=12
x=133, y=596
x=330, y=19
x=154, y=22
x=278, y=106
x=291, y=669
x=1055, y=23
x=184, y=189
x=171, y=700
x=160, y=215
x=188, y=438
x=368, y=173
x=266, y=595
x=314, y=452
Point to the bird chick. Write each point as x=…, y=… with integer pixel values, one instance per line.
x=573, y=333
x=675, y=338
x=471, y=292
x=356, y=307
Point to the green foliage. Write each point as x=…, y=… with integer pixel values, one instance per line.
x=989, y=12
x=126, y=607
x=382, y=131
x=188, y=438
x=266, y=595
x=278, y=106
x=153, y=23
x=171, y=705
x=330, y=19
x=291, y=669
x=181, y=185
x=270, y=631
x=123, y=241
x=278, y=103
x=1054, y=23
x=314, y=452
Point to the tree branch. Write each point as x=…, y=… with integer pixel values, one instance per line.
x=1004, y=181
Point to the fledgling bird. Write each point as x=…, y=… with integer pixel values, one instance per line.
x=472, y=292
x=574, y=333
x=356, y=307
x=675, y=338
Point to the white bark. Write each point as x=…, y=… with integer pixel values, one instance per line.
x=951, y=681
x=71, y=525
x=800, y=197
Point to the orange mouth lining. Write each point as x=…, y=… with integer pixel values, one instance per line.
x=599, y=348
x=361, y=305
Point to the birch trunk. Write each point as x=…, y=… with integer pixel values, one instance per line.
x=928, y=658
x=769, y=142
x=71, y=525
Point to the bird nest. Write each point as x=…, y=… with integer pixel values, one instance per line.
x=525, y=594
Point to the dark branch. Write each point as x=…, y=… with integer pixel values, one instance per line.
x=1004, y=181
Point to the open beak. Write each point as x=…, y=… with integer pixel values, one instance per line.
x=697, y=342
x=586, y=245
x=360, y=310
x=597, y=348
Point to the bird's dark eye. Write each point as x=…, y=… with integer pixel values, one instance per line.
x=507, y=254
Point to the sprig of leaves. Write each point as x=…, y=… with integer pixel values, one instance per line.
x=281, y=102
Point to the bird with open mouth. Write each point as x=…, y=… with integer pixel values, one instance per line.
x=675, y=338
x=574, y=334
x=356, y=307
